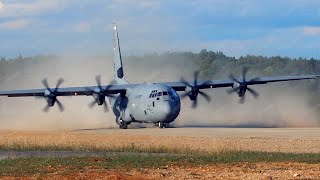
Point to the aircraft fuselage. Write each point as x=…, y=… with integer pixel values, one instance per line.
x=149, y=103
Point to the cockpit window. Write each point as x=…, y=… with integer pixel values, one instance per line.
x=155, y=93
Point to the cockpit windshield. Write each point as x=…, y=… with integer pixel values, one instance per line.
x=155, y=93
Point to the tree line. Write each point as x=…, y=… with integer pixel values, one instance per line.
x=212, y=65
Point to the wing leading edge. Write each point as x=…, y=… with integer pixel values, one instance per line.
x=181, y=86
x=69, y=91
x=122, y=88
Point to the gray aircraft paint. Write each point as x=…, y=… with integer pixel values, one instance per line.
x=118, y=68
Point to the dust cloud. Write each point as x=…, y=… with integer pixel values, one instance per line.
x=274, y=108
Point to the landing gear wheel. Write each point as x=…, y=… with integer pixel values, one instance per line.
x=161, y=124
x=123, y=124
x=166, y=125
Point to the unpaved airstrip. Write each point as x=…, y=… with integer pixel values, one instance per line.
x=295, y=140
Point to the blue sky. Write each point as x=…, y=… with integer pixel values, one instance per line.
x=236, y=27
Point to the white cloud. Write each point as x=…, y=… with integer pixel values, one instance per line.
x=15, y=24
x=33, y=8
x=311, y=31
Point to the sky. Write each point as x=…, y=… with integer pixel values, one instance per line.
x=235, y=27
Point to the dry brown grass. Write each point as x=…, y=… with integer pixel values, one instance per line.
x=122, y=140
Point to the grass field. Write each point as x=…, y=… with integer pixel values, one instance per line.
x=172, y=154
x=24, y=166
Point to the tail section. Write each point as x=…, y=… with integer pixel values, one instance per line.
x=118, y=68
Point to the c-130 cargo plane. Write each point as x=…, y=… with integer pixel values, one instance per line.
x=156, y=103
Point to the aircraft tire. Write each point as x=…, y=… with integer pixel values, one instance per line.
x=125, y=125
x=161, y=124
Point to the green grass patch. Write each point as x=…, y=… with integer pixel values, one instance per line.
x=29, y=166
x=128, y=148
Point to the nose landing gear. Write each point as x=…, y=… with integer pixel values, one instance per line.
x=163, y=125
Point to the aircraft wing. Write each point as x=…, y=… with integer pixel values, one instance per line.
x=180, y=86
x=69, y=91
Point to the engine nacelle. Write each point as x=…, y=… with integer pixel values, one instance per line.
x=192, y=92
x=240, y=88
x=235, y=85
x=99, y=97
x=50, y=98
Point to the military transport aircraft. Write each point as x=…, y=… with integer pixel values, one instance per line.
x=156, y=103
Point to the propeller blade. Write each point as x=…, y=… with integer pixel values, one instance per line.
x=108, y=87
x=60, y=105
x=253, y=92
x=92, y=104
x=244, y=73
x=45, y=84
x=184, y=95
x=98, y=81
x=46, y=108
x=195, y=89
x=105, y=104
x=230, y=91
x=242, y=99
x=60, y=81
x=231, y=76
x=196, y=76
x=195, y=104
x=206, y=96
x=184, y=82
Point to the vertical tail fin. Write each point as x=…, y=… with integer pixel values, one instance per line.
x=117, y=60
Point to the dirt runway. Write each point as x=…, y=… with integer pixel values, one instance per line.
x=297, y=140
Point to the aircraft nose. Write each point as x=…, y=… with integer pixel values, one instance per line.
x=167, y=109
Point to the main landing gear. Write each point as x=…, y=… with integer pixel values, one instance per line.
x=163, y=125
x=123, y=124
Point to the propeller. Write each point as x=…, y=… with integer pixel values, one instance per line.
x=193, y=90
x=100, y=95
x=50, y=95
x=241, y=86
